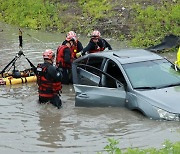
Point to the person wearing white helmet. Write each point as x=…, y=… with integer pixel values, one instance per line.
x=96, y=44
x=49, y=80
x=77, y=47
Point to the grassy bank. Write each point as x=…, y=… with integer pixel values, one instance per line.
x=168, y=148
x=144, y=23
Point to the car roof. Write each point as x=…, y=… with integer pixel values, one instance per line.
x=125, y=56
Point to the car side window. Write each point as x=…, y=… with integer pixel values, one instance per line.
x=113, y=70
x=83, y=61
x=95, y=62
x=89, y=71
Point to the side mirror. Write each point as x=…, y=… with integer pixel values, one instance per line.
x=119, y=85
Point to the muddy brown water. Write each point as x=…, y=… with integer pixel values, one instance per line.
x=28, y=127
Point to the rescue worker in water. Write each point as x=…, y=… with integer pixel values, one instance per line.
x=64, y=59
x=49, y=80
x=77, y=46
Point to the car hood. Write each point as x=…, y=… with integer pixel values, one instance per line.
x=165, y=98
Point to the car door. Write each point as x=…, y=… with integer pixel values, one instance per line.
x=93, y=90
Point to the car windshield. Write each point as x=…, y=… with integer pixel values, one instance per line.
x=152, y=74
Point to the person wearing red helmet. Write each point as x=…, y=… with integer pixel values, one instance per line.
x=64, y=59
x=49, y=80
x=96, y=44
x=77, y=47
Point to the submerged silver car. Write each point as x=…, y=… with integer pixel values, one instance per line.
x=134, y=78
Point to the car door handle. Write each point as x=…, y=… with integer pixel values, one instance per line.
x=83, y=95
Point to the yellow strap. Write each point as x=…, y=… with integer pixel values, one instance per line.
x=178, y=58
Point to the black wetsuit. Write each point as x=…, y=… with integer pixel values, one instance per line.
x=53, y=75
x=102, y=43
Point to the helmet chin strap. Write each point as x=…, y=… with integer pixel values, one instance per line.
x=49, y=60
x=68, y=44
x=52, y=60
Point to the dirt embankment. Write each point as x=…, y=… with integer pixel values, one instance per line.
x=117, y=25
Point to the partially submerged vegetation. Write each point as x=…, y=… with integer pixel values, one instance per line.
x=168, y=148
x=144, y=23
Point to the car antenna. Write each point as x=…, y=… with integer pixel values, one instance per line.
x=120, y=56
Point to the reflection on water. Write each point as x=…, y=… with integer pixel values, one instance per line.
x=29, y=127
x=50, y=132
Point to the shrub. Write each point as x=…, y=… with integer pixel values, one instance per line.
x=152, y=24
x=169, y=148
x=37, y=14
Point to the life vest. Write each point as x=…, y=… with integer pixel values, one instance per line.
x=47, y=88
x=98, y=49
x=177, y=62
x=60, y=57
x=74, y=51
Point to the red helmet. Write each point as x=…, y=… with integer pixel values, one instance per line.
x=95, y=33
x=48, y=54
x=71, y=35
x=73, y=39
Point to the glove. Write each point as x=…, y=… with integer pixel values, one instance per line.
x=78, y=54
x=59, y=74
x=59, y=69
x=59, y=65
x=109, y=48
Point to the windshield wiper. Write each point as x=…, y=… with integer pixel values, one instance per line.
x=170, y=85
x=145, y=87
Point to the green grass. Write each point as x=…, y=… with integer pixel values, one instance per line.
x=153, y=22
x=147, y=23
x=32, y=14
x=168, y=148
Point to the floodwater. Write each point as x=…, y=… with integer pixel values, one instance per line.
x=29, y=127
